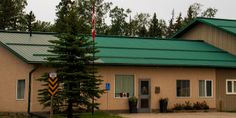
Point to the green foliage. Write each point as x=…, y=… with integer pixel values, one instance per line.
x=155, y=29
x=118, y=23
x=89, y=115
x=191, y=106
x=73, y=61
x=44, y=97
x=11, y=14
x=133, y=99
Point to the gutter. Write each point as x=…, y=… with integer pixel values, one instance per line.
x=29, y=88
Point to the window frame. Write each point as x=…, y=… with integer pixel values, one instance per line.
x=233, y=92
x=189, y=89
x=205, y=96
x=115, y=85
x=17, y=81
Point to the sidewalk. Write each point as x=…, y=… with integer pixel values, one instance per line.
x=181, y=115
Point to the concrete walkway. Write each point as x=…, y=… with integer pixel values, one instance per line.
x=181, y=115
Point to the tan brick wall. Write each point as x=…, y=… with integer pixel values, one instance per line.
x=12, y=69
x=164, y=77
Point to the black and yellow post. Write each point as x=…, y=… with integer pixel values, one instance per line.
x=52, y=89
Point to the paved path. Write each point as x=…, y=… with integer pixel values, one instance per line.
x=181, y=115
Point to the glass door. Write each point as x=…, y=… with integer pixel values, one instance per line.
x=144, y=96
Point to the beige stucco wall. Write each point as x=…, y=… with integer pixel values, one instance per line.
x=11, y=70
x=213, y=36
x=165, y=77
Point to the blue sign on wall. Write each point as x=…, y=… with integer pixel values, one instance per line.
x=107, y=86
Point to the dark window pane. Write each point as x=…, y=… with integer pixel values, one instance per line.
x=209, y=88
x=144, y=103
x=183, y=88
x=144, y=87
x=229, y=84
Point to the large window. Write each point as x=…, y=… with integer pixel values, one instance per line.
x=20, y=92
x=124, y=85
x=230, y=86
x=205, y=88
x=183, y=88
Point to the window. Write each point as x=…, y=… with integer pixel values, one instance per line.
x=124, y=85
x=20, y=90
x=183, y=88
x=205, y=88
x=230, y=86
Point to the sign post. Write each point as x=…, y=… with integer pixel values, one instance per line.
x=52, y=88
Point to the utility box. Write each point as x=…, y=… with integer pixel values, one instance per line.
x=157, y=90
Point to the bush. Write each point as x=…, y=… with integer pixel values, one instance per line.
x=189, y=106
x=133, y=99
x=178, y=107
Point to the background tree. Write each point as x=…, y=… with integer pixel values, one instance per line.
x=43, y=26
x=85, y=9
x=118, y=23
x=178, y=23
x=209, y=13
x=171, y=28
x=11, y=14
x=155, y=28
x=73, y=63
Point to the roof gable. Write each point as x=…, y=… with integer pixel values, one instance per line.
x=225, y=25
x=126, y=51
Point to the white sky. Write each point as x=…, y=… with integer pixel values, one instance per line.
x=45, y=9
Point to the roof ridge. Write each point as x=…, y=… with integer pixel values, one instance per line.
x=199, y=18
x=188, y=50
x=25, y=32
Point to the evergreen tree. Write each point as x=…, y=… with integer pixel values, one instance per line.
x=178, y=23
x=143, y=32
x=155, y=28
x=170, y=29
x=73, y=63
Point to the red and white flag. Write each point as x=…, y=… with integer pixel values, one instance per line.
x=93, y=23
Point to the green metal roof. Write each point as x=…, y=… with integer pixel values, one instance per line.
x=222, y=24
x=126, y=51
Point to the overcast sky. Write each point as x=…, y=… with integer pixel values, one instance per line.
x=45, y=9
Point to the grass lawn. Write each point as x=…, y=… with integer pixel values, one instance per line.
x=96, y=115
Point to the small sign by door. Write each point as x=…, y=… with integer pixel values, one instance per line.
x=107, y=86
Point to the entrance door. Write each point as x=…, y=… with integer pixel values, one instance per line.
x=144, y=96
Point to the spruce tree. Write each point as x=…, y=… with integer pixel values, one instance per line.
x=178, y=23
x=155, y=28
x=73, y=60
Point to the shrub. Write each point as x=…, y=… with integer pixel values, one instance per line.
x=197, y=106
x=178, y=106
x=188, y=106
x=133, y=99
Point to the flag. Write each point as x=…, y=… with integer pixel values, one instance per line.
x=93, y=23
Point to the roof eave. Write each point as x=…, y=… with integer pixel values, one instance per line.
x=14, y=53
x=195, y=21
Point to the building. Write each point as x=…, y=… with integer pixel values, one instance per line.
x=150, y=69
x=220, y=33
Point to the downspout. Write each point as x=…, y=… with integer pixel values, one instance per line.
x=29, y=89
